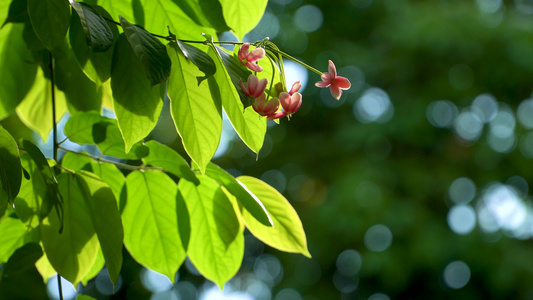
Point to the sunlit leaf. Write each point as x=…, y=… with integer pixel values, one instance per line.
x=44, y=267
x=216, y=246
x=105, y=217
x=198, y=117
x=73, y=252
x=35, y=110
x=98, y=34
x=150, y=51
x=17, y=71
x=246, y=122
x=206, y=13
x=243, y=15
x=287, y=234
x=152, y=219
x=10, y=168
x=12, y=232
x=99, y=264
x=252, y=204
x=18, y=271
x=168, y=159
x=137, y=104
x=50, y=20
x=79, y=127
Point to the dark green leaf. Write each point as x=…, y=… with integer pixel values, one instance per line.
x=50, y=20
x=155, y=223
x=150, y=51
x=105, y=218
x=96, y=65
x=166, y=158
x=10, y=168
x=98, y=35
x=200, y=59
x=18, y=12
x=216, y=245
x=18, y=74
x=250, y=202
x=137, y=104
x=19, y=272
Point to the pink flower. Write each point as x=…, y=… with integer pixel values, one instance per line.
x=248, y=59
x=277, y=115
x=266, y=108
x=295, y=87
x=336, y=83
x=254, y=87
x=290, y=103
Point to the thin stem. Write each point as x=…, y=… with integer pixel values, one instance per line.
x=60, y=290
x=52, y=83
x=296, y=60
x=116, y=163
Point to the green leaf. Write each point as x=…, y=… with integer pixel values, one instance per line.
x=206, y=13
x=250, y=127
x=287, y=234
x=245, y=197
x=157, y=15
x=108, y=172
x=35, y=110
x=137, y=104
x=200, y=59
x=12, y=234
x=3, y=204
x=84, y=297
x=29, y=201
x=81, y=92
x=197, y=116
x=73, y=252
x=164, y=157
x=96, y=65
x=98, y=35
x=95, y=269
x=10, y=167
x=155, y=227
x=19, y=271
x=105, y=217
x=44, y=267
x=18, y=12
x=79, y=127
x=243, y=15
x=150, y=51
x=18, y=73
x=50, y=20
x=216, y=245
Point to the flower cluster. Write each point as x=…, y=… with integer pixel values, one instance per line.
x=291, y=100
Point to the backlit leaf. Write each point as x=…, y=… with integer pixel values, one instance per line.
x=166, y=158
x=216, y=246
x=17, y=71
x=73, y=252
x=12, y=232
x=137, y=104
x=154, y=222
x=198, y=117
x=250, y=127
x=252, y=204
x=10, y=168
x=287, y=234
x=243, y=15
x=206, y=13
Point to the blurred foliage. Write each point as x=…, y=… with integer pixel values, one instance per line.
x=408, y=49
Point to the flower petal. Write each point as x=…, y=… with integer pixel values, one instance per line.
x=243, y=51
x=326, y=77
x=295, y=87
x=336, y=91
x=261, y=86
x=343, y=82
x=244, y=87
x=256, y=54
x=322, y=84
x=252, y=83
x=254, y=67
x=277, y=115
x=332, y=70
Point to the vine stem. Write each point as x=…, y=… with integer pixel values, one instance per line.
x=59, y=287
x=52, y=83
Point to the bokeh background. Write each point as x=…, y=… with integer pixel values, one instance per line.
x=415, y=184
